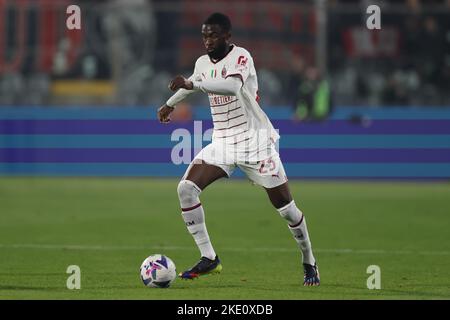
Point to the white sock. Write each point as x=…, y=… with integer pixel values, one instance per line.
x=194, y=217
x=297, y=225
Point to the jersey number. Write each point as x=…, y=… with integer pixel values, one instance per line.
x=267, y=165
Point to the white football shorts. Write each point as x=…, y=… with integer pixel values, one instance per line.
x=268, y=173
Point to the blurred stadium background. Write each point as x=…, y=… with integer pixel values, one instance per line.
x=348, y=101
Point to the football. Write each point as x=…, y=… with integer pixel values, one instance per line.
x=158, y=271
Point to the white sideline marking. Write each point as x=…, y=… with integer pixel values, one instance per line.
x=118, y=248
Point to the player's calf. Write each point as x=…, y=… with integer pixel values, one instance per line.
x=194, y=217
x=297, y=225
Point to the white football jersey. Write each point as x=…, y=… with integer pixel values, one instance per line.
x=239, y=122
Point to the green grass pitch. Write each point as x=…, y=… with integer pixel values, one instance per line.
x=108, y=226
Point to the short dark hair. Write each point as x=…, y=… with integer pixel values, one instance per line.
x=220, y=19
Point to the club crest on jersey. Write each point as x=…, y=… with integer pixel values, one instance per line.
x=242, y=61
x=224, y=72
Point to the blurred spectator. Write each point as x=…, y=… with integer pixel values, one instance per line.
x=432, y=53
x=311, y=92
x=412, y=37
x=131, y=33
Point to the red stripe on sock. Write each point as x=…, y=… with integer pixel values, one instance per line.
x=191, y=208
x=296, y=225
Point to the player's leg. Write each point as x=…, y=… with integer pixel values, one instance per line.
x=270, y=174
x=198, y=176
x=282, y=200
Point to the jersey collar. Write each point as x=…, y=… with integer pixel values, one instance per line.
x=214, y=62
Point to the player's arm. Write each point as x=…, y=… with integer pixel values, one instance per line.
x=229, y=86
x=233, y=82
x=166, y=109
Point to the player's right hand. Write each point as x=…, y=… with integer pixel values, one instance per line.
x=164, y=112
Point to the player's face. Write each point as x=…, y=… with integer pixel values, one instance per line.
x=216, y=41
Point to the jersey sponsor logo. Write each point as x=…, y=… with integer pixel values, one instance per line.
x=216, y=100
x=242, y=61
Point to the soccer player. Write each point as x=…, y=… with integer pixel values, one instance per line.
x=243, y=136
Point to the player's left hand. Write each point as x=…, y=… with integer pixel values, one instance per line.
x=180, y=82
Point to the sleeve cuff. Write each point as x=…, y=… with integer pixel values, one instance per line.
x=171, y=103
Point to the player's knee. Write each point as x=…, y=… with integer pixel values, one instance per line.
x=290, y=212
x=188, y=192
x=281, y=201
x=280, y=196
